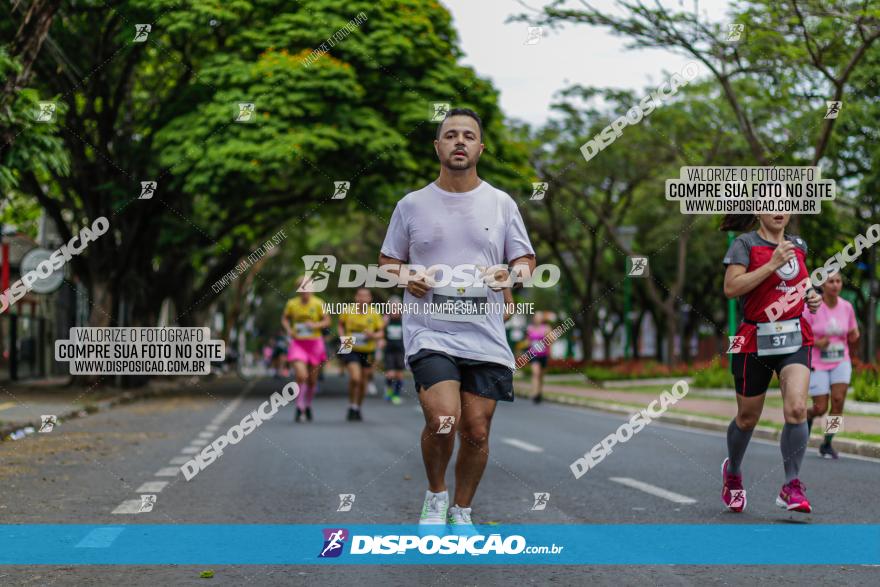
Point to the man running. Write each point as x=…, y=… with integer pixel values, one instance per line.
x=364, y=325
x=461, y=363
x=834, y=326
x=303, y=319
x=762, y=267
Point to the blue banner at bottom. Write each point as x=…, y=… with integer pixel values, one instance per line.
x=258, y=544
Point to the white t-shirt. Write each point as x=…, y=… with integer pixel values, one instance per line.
x=481, y=227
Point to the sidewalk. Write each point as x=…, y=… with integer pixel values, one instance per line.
x=714, y=412
x=23, y=404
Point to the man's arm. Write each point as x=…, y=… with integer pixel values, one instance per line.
x=528, y=263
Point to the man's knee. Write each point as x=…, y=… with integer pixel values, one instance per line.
x=475, y=432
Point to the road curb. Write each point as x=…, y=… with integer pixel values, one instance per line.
x=844, y=445
x=126, y=397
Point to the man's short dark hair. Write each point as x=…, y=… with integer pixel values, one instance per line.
x=461, y=112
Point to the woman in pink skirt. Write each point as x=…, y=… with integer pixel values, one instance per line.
x=303, y=319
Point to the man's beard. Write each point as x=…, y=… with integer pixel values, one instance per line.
x=452, y=163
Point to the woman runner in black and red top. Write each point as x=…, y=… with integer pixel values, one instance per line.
x=766, y=269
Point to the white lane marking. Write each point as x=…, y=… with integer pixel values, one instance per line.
x=168, y=472
x=653, y=490
x=100, y=537
x=152, y=487
x=129, y=506
x=199, y=442
x=522, y=444
x=205, y=435
x=132, y=506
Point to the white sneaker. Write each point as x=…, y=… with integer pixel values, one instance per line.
x=371, y=389
x=460, y=521
x=435, y=508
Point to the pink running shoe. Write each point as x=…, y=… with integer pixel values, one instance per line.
x=792, y=497
x=732, y=493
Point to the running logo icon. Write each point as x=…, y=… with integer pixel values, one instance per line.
x=346, y=344
x=534, y=35
x=340, y=189
x=737, y=498
x=148, y=188
x=334, y=541
x=47, y=423
x=833, y=109
x=147, y=503
x=446, y=423
x=539, y=188
x=46, y=113
x=141, y=32
x=246, y=112
x=638, y=266
x=318, y=271
x=833, y=424
x=735, y=32
x=346, y=501
x=736, y=344
x=438, y=111
x=541, y=500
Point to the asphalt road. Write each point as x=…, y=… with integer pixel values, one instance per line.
x=283, y=473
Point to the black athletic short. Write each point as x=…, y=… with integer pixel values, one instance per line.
x=393, y=360
x=365, y=359
x=752, y=374
x=489, y=380
x=542, y=360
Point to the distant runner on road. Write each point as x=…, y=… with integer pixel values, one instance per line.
x=393, y=360
x=363, y=327
x=834, y=326
x=461, y=362
x=303, y=319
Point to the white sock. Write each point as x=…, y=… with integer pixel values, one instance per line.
x=443, y=494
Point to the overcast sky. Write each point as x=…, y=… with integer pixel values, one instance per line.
x=528, y=75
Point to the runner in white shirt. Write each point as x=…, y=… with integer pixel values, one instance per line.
x=461, y=362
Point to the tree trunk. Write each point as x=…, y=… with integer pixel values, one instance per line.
x=102, y=304
x=671, y=331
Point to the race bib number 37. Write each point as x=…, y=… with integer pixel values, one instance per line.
x=779, y=338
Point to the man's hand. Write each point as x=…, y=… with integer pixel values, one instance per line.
x=496, y=278
x=418, y=285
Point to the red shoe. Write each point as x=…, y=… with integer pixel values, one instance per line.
x=732, y=493
x=792, y=497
